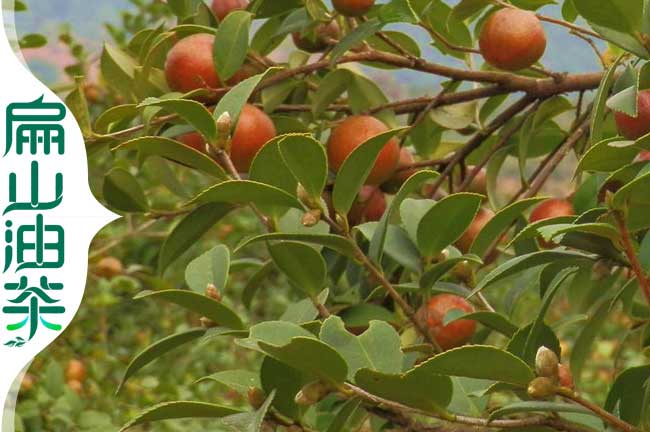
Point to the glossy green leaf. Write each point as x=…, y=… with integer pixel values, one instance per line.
x=330, y=88
x=537, y=407
x=123, y=192
x=334, y=242
x=302, y=264
x=212, y=267
x=194, y=113
x=446, y=222
x=621, y=15
x=437, y=271
x=306, y=159
x=626, y=395
x=599, y=110
x=491, y=320
x=231, y=43
x=202, y=305
x=239, y=380
x=356, y=37
x=180, y=410
x=244, y=192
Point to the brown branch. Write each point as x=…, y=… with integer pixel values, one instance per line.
x=607, y=417
x=630, y=252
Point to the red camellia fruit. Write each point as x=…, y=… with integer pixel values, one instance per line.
x=644, y=156
x=75, y=371
x=189, y=64
x=353, y=8
x=512, y=39
x=253, y=130
x=633, y=128
x=464, y=243
x=194, y=140
x=453, y=334
x=369, y=206
x=552, y=208
x=222, y=8
x=353, y=132
x=479, y=183
x=315, y=40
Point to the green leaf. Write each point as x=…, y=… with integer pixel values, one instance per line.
x=446, y=222
x=625, y=101
x=233, y=101
x=411, y=185
x=302, y=264
x=495, y=365
x=557, y=231
x=239, y=380
x=399, y=11
x=378, y=348
x=202, y=305
x=304, y=311
x=626, y=396
x=599, y=110
x=633, y=193
x=356, y=168
x=189, y=231
x=500, y=223
x=114, y=115
x=416, y=388
x=306, y=159
x=157, y=350
x=466, y=8
x=491, y=320
x=330, y=88
x=249, y=422
x=536, y=407
x=531, y=260
x=608, y=155
x=254, y=283
x=32, y=40
x=397, y=246
x=231, y=43
x=356, y=37
x=286, y=382
x=266, y=39
x=621, y=15
x=212, y=267
x=244, y=192
x=437, y=271
x=334, y=242
x=175, y=152
x=179, y=410
x=405, y=41
x=311, y=356
x=583, y=344
x=545, y=337
x=123, y=192
x=194, y=113
x=76, y=102
x=347, y=414
x=118, y=69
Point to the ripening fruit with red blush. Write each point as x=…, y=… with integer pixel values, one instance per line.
x=75, y=370
x=194, y=140
x=644, y=156
x=552, y=208
x=512, y=39
x=369, y=206
x=316, y=40
x=565, y=376
x=464, y=243
x=634, y=128
x=479, y=183
x=222, y=8
x=254, y=129
x=353, y=8
x=454, y=334
x=353, y=132
x=189, y=65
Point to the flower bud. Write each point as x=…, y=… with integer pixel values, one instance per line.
x=565, y=377
x=541, y=388
x=224, y=124
x=546, y=363
x=312, y=393
x=256, y=397
x=311, y=218
x=207, y=323
x=212, y=292
x=305, y=198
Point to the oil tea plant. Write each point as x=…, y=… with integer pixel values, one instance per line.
x=428, y=296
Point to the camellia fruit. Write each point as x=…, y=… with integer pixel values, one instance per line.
x=552, y=208
x=109, y=267
x=433, y=314
x=315, y=40
x=253, y=130
x=644, y=156
x=353, y=8
x=370, y=206
x=464, y=243
x=75, y=371
x=479, y=183
x=189, y=65
x=222, y=8
x=353, y=132
x=634, y=128
x=565, y=376
x=194, y=140
x=512, y=39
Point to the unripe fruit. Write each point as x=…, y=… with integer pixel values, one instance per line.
x=541, y=388
x=512, y=39
x=370, y=206
x=353, y=8
x=109, y=267
x=222, y=8
x=633, y=128
x=454, y=334
x=552, y=208
x=464, y=243
x=75, y=370
x=565, y=377
x=253, y=130
x=546, y=363
x=256, y=397
x=353, y=132
x=316, y=40
x=189, y=65
x=479, y=182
